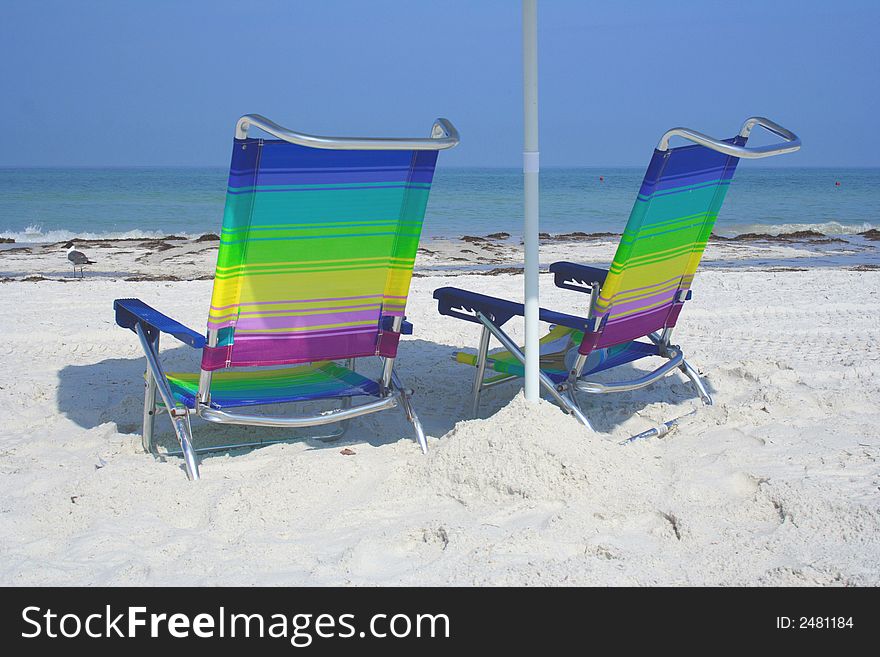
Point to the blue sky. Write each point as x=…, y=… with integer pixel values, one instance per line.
x=162, y=83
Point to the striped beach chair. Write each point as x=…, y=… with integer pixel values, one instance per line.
x=316, y=254
x=635, y=304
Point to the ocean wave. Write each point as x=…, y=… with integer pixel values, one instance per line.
x=826, y=228
x=35, y=234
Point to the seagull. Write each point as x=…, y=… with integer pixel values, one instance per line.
x=77, y=258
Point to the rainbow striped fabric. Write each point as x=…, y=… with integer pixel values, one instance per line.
x=249, y=388
x=317, y=247
x=555, y=348
x=662, y=244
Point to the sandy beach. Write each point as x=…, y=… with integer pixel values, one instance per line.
x=777, y=484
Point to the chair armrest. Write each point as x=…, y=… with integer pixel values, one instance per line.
x=130, y=312
x=406, y=328
x=462, y=304
x=580, y=278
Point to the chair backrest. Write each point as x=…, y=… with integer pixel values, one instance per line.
x=317, y=248
x=664, y=239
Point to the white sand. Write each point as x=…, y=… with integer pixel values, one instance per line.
x=778, y=483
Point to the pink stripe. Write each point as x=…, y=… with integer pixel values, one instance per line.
x=307, y=335
x=290, y=350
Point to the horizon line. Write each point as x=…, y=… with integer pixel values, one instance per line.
x=457, y=166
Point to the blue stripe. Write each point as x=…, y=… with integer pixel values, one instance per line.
x=715, y=183
x=328, y=189
x=328, y=169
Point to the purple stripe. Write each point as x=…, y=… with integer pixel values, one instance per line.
x=289, y=350
x=307, y=335
x=303, y=321
x=619, y=308
x=619, y=320
x=635, y=326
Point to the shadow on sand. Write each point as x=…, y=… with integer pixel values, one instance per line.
x=112, y=391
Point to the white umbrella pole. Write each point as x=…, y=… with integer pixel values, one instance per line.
x=530, y=196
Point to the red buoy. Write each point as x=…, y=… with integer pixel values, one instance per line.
x=837, y=183
x=602, y=179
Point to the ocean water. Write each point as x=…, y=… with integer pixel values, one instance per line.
x=50, y=205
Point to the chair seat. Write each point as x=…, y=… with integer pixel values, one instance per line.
x=553, y=348
x=231, y=388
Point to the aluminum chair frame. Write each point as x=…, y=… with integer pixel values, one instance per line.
x=157, y=387
x=392, y=392
x=564, y=393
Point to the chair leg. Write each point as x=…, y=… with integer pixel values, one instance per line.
x=179, y=416
x=406, y=404
x=568, y=405
x=346, y=403
x=574, y=405
x=691, y=373
x=344, y=424
x=149, y=411
x=418, y=429
x=150, y=403
x=183, y=429
x=482, y=355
